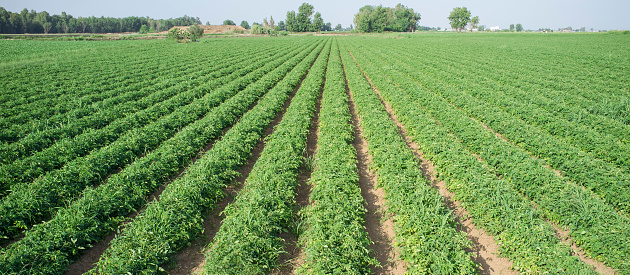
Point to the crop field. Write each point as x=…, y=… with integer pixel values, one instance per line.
x=429, y=153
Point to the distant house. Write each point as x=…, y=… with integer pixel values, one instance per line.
x=495, y=29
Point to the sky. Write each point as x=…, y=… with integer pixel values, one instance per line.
x=532, y=14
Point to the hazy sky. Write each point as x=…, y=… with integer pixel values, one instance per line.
x=533, y=14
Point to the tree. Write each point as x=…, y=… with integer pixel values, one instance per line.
x=265, y=23
x=195, y=32
x=481, y=28
x=143, y=29
x=474, y=22
x=403, y=19
x=271, y=22
x=511, y=27
x=318, y=22
x=292, y=24
x=459, y=18
x=229, y=22
x=245, y=25
x=519, y=27
x=304, y=17
x=282, y=26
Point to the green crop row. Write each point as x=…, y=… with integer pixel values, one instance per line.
x=111, y=109
x=94, y=104
x=168, y=224
x=59, y=101
x=611, y=183
x=514, y=222
x=248, y=241
x=507, y=78
x=164, y=102
x=425, y=228
x=335, y=238
x=602, y=146
x=30, y=203
x=21, y=107
x=594, y=226
x=49, y=247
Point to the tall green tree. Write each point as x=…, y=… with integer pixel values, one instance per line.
x=244, y=24
x=474, y=22
x=511, y=27
x=318, y=22
x=379, y=18
x=519, y=27
x=304, y=17
x=459, y=18
x=292, y=24
x=229, y=22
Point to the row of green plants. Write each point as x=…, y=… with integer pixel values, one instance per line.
x=521, y=230
x=57, y=98
x=30, y=203
x=510, y=80
x=425, y=228
x=70, y=111
x=115, y=107
x=49, y=247
x=594, y=226
x=587, y=139
x=588, y=72
x=170, y=223
x=73, y=82
x=20, y=99
x=75, y=56
x=144, y=111
x=335, y=240
x=610, y=182
x=248, y=241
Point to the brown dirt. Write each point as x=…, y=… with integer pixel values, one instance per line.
x=378, y=225
x=485, y=248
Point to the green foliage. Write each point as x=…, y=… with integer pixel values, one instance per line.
x=504, y=171
x=519, y=27
x=292, y=24
x=245, y=25
x=230, y=23
x=33, y=22
x=184, y=201
x=425, y=229
x=100, y=209
x=459, y=18
x=303, y=17
x=249, y=238
x=511, y=27
x=335, y=240
x=195, y=31
x=379, y=19
x=474, y=23
x=318, y=22
x=143, y=29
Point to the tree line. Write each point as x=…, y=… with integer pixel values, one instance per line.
x=42, y=22
x=379, y=19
